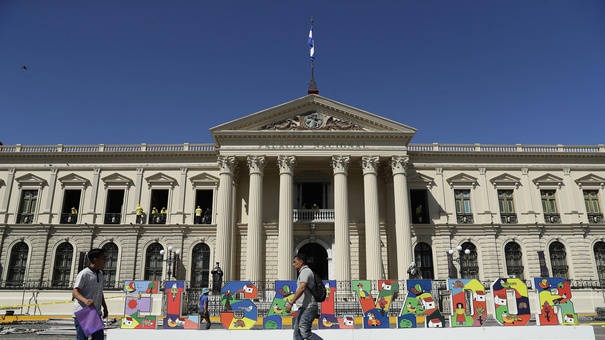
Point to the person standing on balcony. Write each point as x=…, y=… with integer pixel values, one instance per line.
x=198, y=215
x=139, y=212
x=73, y=216
x=154, y=215
x=163, y=214
x=304, y=300
x=88, y=291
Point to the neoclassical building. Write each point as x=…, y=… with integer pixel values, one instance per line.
x=343, y=185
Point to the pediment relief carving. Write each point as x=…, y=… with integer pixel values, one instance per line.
x=73, y=180
x=31, y=180
x=314, y=120
x=160, y=179
x=462, y=179
x=203, y=179
x=591, y=180
x=505, y=180
x=116, y=179
x=548, y=180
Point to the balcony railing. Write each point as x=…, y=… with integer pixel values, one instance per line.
x=552, y=218
x=313, y=215
x=68, y=218
x=25, y=218
x=464, y=218
x=508, y=218
x=595, y=218
x=112, y=218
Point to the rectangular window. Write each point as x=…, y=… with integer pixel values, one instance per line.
x=463, y=201
x=549, y=204
x=505, y=199
x=420, y=211
x=158, y=206
x=203, y=200
x=71, y=204
x=27, y=208
x=591, y=201
x=113, y=209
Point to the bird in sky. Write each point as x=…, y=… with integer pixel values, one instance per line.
x=24, y=67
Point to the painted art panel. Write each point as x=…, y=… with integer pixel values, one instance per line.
x=554, y=298
x=468, y=303
x=510, y=302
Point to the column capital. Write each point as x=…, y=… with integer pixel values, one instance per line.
x=439, y=171
x=370, y=164
x=567, y=171
x=286, y=164
x=399, y=164
x=226, y=163
x=340, y=164
x=525, y=171
x=482, y=171
x=256, y=164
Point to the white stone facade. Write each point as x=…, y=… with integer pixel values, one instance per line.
x=362, y=170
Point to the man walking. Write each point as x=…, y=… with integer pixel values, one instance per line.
x=304, y=300
x=203, y=309
x=88, y=291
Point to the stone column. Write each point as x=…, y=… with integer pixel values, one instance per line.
x=52, y=184
x=224, y=214
x=9, y=188
x=285, y=240
x=372, y=225
x=94, y=191
x=485, y=209
x=528, y=188
x=256, y=164
x=403, y=236
x=568, y=190
x=138, y=187
x=340, y=165
x=180, y=209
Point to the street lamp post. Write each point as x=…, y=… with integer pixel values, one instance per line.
x=171, y=261
x=452, y=272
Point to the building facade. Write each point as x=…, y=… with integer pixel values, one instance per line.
x=340, y=184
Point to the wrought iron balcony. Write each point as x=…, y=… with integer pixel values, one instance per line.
x=552, y=218
x=508, y=218
x=595, y=218
x=464, y=218
x=113, y=218
x=25, y=218
x=313, y=215
x=68, y=218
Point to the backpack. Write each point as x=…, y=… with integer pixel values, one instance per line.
x=318, y=291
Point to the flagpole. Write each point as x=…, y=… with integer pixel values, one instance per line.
x=312, y=85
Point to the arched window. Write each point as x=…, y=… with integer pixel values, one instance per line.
x=514, y=259
x=558, y=259
x=469, y=268
x=17, y=265
x=111, y=264
x=153, y=262
x=423, y=256
x=62, y=269
x=599, y=256
x=200, y=266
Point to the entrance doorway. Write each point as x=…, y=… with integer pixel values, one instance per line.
x=317, y=258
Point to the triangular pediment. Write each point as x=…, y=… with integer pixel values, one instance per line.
x=421, y=178
x=462, y=179
x=160, y=179
x=591, y=180
x=548, y=180
x=203, y=179
x=30, y=179
x=505, y=180
x=74, y=180
x=311, y=114
x=117, y=180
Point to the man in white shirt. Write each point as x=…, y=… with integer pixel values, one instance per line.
x=88, y=291
x=304, y=300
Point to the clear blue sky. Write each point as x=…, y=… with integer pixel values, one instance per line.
x=129, y=72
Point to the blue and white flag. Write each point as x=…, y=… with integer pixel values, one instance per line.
x=311, y=44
